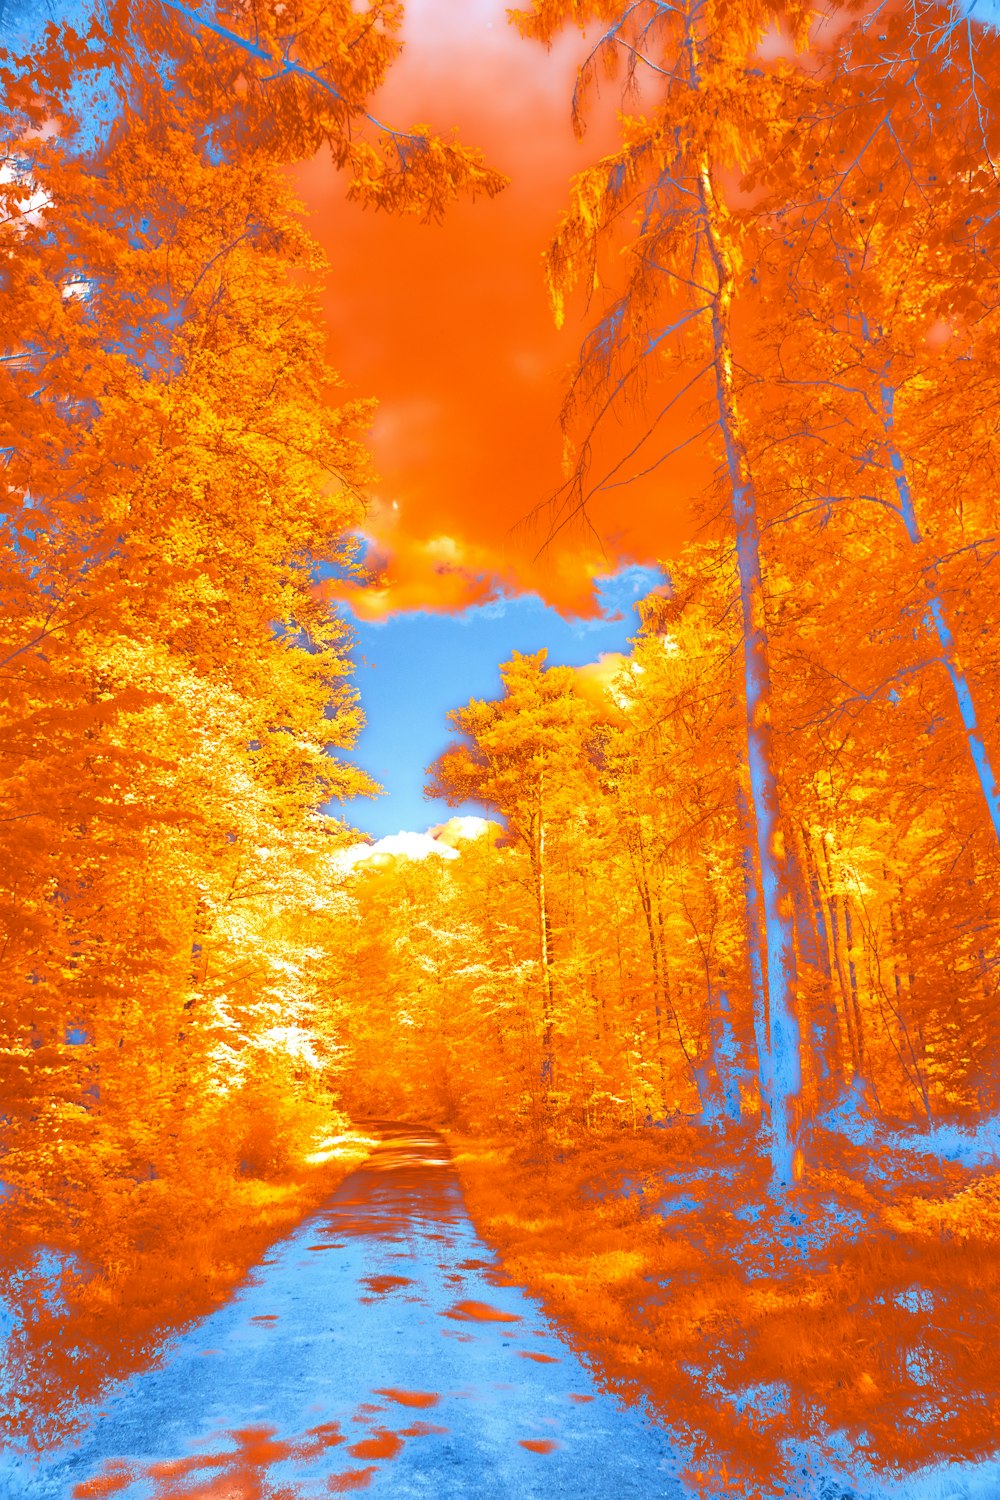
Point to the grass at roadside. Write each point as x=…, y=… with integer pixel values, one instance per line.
x=181, y=1250
x=856, y=1322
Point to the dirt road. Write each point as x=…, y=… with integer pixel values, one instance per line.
x=375, y=1349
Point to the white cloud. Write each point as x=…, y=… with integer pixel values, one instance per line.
x=402, y=845
x=460, y=830
x=439, y=842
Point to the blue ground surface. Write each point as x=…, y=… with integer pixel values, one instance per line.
x=387, y=1289
x=379, y=1350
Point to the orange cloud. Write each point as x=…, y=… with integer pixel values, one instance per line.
x=449, y=326
x=595, y=679
x=412, y=572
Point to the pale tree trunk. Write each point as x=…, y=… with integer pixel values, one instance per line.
x=783, y=1073
x=854, y=1041
x=813, y=961
x=755, y=955
x=545, y=951
x=852, y=970
x=644, y=889
x=940, y=626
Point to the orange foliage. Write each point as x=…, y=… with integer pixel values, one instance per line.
x=726, y=971
x=178, y=459
x=830, y=1325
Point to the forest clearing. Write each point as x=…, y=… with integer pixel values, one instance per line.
x=499, y=727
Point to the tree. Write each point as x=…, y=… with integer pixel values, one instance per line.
x=516, y=756
x=286, y=81
x=873, y=268
x=714, y=110
x=177, y=458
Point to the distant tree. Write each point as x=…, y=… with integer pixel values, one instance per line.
x=523, y=755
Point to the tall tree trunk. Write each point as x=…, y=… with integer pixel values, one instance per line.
x=843, y=983
x=784, y=1069
x=545, y=951
x=852, y=972
x=725, y=1052
x=811, y=945
x=755, y=955
x=640, y=873
x=939, y=622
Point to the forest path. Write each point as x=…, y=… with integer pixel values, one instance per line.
x=377, y=1348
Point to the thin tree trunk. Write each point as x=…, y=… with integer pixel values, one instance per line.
x=838, y=959
x=758, y=992
x=646, y=902
x=853, y=976
x=810, y=929
x=981, y=761
x=545, y=947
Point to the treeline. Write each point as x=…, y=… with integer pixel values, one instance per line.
x=591, y=966
x=177, y=461
x=779, y=862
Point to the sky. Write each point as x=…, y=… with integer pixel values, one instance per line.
x=414, y=666
x=449, y=327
